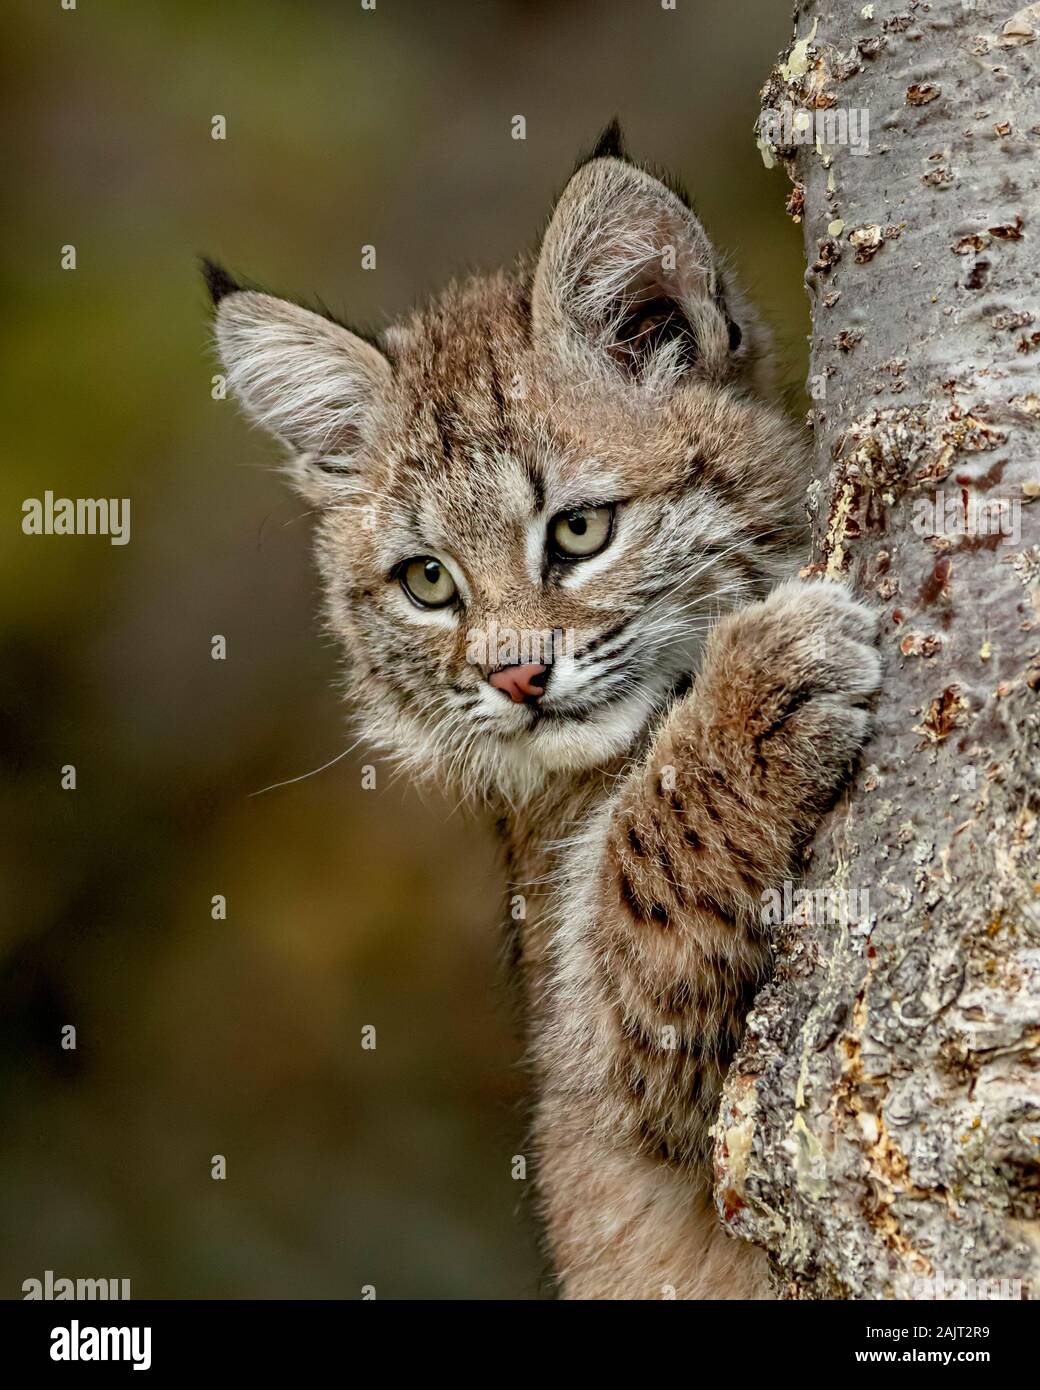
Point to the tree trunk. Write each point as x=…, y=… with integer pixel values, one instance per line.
x=880, y=1131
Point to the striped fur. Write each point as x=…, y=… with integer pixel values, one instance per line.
x=691, y=737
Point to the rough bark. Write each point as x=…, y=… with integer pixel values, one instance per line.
x=881, y=1126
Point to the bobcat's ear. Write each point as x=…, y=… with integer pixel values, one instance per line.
x=627, y=274
x=307, y=380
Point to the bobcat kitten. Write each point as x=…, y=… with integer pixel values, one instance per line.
x=584, y=448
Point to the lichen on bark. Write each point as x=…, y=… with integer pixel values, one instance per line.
x=880, y=1129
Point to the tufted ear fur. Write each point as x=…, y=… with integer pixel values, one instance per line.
x=306, y=379
x=628, y=279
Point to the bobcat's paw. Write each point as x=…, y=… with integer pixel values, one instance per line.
x=802, y=666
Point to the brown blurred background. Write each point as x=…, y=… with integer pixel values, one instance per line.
x=346, y=907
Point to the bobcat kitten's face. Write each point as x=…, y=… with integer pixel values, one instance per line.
x=535, y=493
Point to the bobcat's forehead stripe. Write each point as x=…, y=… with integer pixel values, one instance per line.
x=537, y=483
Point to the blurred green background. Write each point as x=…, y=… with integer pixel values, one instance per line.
x=346, y=907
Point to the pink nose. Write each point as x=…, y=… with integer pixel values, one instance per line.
x=521, y=682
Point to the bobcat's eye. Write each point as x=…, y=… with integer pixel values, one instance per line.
x=577, y=535
x=428, y=582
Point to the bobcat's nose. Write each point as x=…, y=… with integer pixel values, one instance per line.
x=521, y=683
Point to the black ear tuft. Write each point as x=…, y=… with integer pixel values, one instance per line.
x=219, y=283
x=611, y=143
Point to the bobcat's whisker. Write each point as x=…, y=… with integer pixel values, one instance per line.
x=313, y=772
